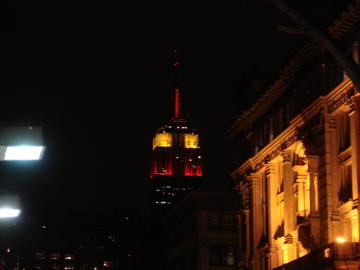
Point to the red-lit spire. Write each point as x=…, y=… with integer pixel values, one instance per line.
x=176, y=64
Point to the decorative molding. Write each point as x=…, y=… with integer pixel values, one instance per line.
x=287, y=156
x=338, y=29
x=269, y=170
x=332, y=122
x=341, y=96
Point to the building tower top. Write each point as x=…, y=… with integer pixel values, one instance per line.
x=176, y=94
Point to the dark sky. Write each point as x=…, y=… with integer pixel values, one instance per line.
x=96, y=75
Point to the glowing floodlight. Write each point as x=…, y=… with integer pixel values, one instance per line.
x=340, y=240
x=9, y=212
x=9, y=206
x=23, y=152
x=21, y=143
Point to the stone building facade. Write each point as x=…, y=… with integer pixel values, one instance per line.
x=299, y=182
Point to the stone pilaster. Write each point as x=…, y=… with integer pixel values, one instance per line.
x=256, y=230
x=313, y=169
x=355, y=160
x=302, y=204
x=355, y=143
x=273, y=213
x=290, y=213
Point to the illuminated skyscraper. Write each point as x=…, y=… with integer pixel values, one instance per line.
x=176, y=164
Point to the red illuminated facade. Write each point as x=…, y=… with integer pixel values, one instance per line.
x=176, y=151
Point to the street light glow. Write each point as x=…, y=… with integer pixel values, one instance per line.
x=340, y=239
x=23, y=152
x=9, y=212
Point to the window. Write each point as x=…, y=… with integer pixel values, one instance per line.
x=343, y=130
x=220, y=221
x=355, y=52
x=213, y=222
x=222, y=254
x=229, y=255
x=69, y=257
x=55, y=266
x=40, y=256
x=228, y=222
x=215, y=255
x=345, y=192
x=54, y=256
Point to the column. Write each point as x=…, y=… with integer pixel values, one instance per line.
x=273, y=213
x=355, y=143
x=289, y=247
x=355, y=159
x=313, y=169
x=255, y=212
x=302, y=198
x=289, y=215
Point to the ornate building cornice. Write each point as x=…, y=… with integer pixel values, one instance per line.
x=338, y=30
x=303, y=128
x=341, y=95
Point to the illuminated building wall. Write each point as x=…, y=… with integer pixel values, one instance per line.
x=299, y=179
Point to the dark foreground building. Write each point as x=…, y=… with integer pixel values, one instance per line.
x=78, y=241
x=200, y=233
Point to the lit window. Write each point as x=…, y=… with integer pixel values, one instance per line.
x=162, y=140
x=229, y=255
x=340, y=239
x=107, y=264
x=54, y=256
x=191, y=141
x=69, y=257
x=327, y=252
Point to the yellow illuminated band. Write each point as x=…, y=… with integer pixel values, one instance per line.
x=162, y=140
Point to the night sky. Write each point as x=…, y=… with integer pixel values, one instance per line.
x=96, y=75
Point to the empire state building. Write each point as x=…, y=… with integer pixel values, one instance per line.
x=176, y=162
